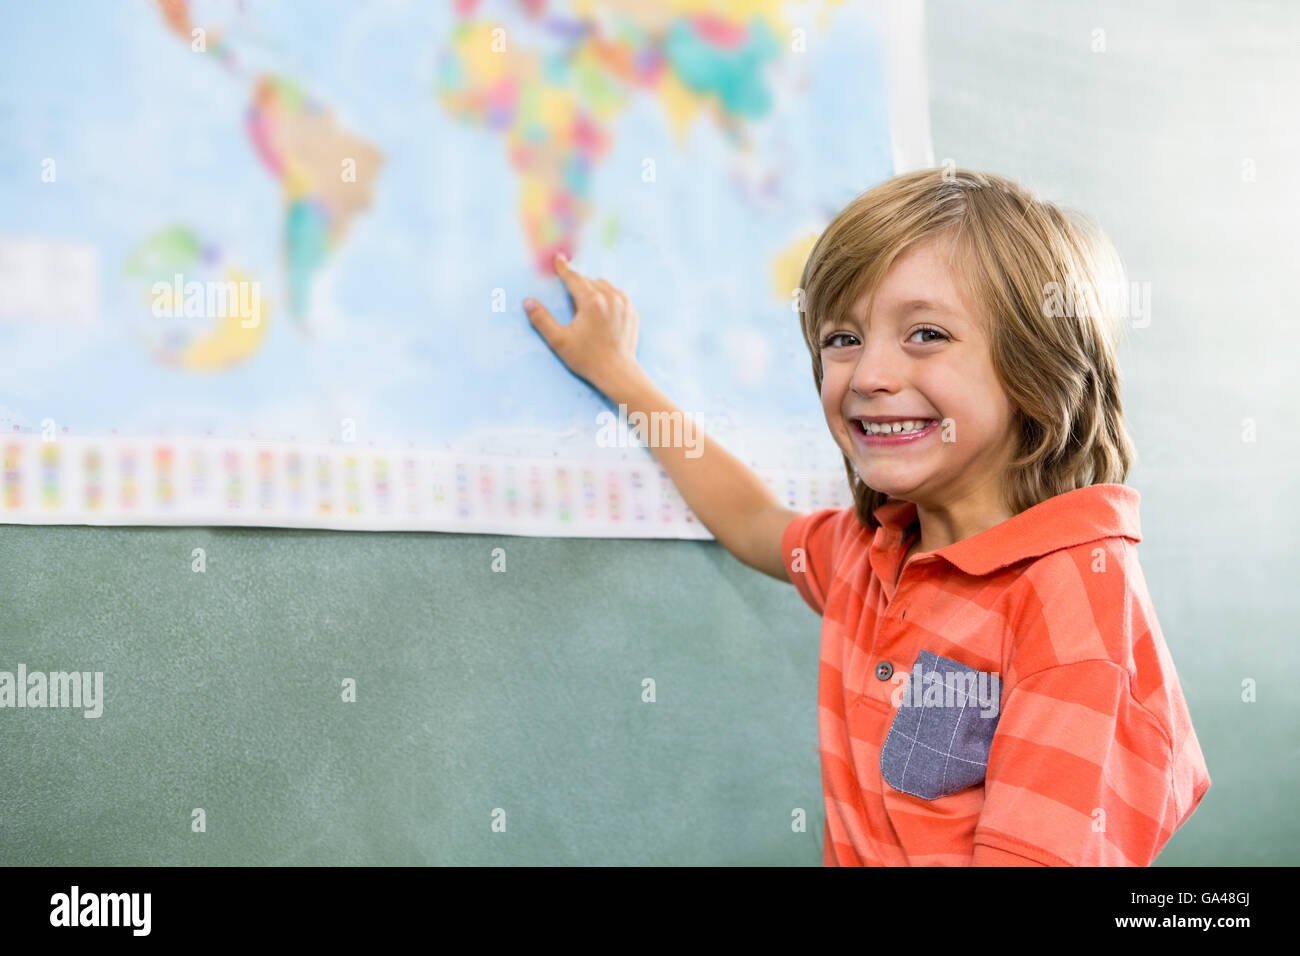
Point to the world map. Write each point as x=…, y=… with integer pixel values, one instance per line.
x=390, y=180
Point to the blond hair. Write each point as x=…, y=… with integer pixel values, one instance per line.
x=1018, y=259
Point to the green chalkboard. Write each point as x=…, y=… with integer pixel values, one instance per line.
x=476, y=692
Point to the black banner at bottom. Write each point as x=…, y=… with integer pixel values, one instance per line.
x=331, y=905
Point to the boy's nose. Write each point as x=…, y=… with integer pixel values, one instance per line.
x=877, y=370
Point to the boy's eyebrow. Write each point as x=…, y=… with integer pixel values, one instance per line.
x=916, y=305
x=920, y=305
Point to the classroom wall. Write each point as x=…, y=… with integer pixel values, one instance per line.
x=523, y=690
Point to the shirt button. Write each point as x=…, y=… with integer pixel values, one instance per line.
x=884, y=670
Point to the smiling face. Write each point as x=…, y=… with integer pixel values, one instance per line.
x=924, y=362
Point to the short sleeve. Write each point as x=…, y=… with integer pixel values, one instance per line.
x=808, y=547
x=1080, y=773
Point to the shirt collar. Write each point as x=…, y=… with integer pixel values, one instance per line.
x=1074, y=517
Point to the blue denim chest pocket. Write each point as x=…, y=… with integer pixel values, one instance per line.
x=938, y=743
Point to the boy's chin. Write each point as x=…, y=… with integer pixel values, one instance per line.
x=888, y=481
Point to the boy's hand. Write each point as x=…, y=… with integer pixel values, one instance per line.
x=600, y=343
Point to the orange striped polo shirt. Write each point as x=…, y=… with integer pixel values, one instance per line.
x=1008, y=700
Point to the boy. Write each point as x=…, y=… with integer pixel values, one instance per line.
x=994, y=687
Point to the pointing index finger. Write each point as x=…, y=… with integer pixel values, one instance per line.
x=572, y=279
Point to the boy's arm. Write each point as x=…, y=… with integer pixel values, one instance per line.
x=599, y=345
x=733, y=502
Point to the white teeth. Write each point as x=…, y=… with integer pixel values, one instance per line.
x=895, y=428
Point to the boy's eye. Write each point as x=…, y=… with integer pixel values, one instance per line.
x=926, y=328
x=832, y=337
x=829, y=341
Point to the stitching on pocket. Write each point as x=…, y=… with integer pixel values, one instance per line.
x=975, y=743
